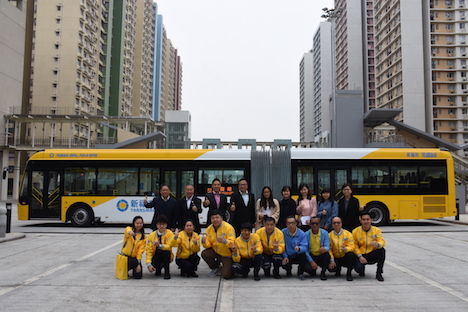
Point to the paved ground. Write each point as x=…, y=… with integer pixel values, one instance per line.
x=59, y=268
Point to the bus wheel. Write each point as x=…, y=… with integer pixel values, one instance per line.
x=81, y=216
x=378, y=214
x=228, y=216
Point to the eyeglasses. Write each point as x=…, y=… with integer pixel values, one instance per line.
x=336, y=222
x=314, y=223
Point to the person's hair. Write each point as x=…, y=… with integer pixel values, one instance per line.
x=318, y=218
x=161, y=219
x=246, y=225
x=243, y=179
x=216, y=179
x=326, y=190
x=286, y=188
x=290, y=217
x=270, y=219
x=187, y=221
x=142, y=231
x=301, y=186
x=163, y=185
x=365, y=213
x=215, y=212
x=347, y=184
x=190, y=184
x=267, y=202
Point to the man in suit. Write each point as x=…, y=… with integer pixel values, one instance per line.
x=216, y=200
x=189, y=207
x=242, y=206
x=164, y=204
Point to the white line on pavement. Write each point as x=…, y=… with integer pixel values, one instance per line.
x=37, y=277
x=226, y=296
x=429, y=281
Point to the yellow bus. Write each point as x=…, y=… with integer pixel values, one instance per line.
x=88, y=185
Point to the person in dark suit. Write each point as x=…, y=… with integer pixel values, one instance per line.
x=349, y=209
x=216, y=200
x=242, y=206
x=164, y=205
x=189, y=207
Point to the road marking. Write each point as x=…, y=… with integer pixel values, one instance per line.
x=226, y=301
x=63, y=266
x=429, y=281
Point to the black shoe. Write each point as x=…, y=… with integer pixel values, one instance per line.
x=267, y=273
x=277, y=276
x=158, y=272
x=182, y=273
x=244, y=275
x=379, y=277
x=301, y=277
x=337, y=274
x=323, y=277
x=288, y=273
x=314, y=273
x=256, y=277
x=349, y=277
x=167, y=276
x=363, y=273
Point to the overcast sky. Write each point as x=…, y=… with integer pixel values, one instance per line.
x=241, y=63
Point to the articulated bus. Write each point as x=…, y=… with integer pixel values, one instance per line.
x=90, y=185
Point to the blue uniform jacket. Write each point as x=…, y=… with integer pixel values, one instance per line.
x=290, y=242
x=324, y=241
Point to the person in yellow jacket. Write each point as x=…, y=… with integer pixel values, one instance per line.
x=273, y=247
x=159, y=248
x=341, y=249
x=369, y=246
x=218, y=240
x=134, y=246
x=247, y=252
x=188, y=246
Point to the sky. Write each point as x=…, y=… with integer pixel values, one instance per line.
x=241, y=63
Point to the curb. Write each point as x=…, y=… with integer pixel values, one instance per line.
x=12, y=237
x=452, y=221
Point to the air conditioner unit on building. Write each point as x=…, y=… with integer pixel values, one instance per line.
x=462, y=41
x=465, y=91
x=465, y=103
x=464, y=78
x=462, y=17
x=463, y=54
x=451, y=91
x=463, y=66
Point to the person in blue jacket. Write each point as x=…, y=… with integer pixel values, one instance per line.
x=295, y=248
x=327, y=209
x=318, y=245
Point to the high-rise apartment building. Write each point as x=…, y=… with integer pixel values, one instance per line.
x=306, y=98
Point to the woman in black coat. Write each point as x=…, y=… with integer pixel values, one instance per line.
x=348, y=208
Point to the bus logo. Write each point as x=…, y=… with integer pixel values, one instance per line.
x=122, y=205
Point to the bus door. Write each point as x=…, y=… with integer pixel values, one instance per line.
x=177, y=179
x=332, y=178
x=45, y=194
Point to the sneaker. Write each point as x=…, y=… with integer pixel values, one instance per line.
x=301, y=277
x=379, y=277
x=213, y=273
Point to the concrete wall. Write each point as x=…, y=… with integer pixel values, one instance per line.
x=347, y=123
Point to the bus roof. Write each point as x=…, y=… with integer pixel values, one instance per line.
x=369, y=153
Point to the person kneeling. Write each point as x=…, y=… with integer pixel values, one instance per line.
x=318, y=249
x=247, y=252
x=188, y=246
x=159, y=248
x=273, y=247
x=341, y=249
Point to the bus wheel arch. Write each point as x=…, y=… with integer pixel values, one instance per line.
x=378, y=211
x=80, y=214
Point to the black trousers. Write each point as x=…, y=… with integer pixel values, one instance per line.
x=299, y=259
x=161, y=259
x=376, y=256
x=244, y=265
x=348, y=261
x=274, y=259
x=132, y=264
x=322, y=261
x=190, y=265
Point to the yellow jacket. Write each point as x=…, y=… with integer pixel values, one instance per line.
x=186, y=245
x=167, y=242
x=244, y=248
x=133, y=246
x=267, y=242
x=363, y=239
x=337, y=241
x=226, y=230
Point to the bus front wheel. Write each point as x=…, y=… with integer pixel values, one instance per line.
x=81, y=216
x=378, y=214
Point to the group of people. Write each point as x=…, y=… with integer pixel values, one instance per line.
x=305, y=232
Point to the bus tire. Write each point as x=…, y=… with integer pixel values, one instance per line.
x=378, y=213
x=228, y=216
x=81, y=216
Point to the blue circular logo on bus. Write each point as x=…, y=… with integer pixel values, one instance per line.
x=122, y=205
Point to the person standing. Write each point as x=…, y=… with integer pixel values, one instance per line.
x=247, y=252
x=318, y=247
x=306, y=206
x=242, y=206
x=159, y=248
x=165, y=205
x=369, y=246
x=218, y=242
x=295, y=242
x=348, y=208
x=188, y=246
x=267, y=206
x=273, y=247
x=287, y=206
x=327, y=209
x=341, y=249
x=134, y=246
x=189, y=208
x=216, y=200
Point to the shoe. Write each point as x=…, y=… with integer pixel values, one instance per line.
x=379, y=277
x=337, y=274
x=158, y=272
x=256, y=277
x=323, y=277
x=288, y=273
x=213, y=272
x=277, y=276
x=267, y=273
x=167, y=276
x=182, y=273
x=349, y=277
x=301, y=277
x=245, y=275
x=193, y=275
x=314, y=273
x=363, y=273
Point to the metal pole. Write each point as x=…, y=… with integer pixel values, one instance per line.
x=457, y=216
x=3, y=218
x=8, y=217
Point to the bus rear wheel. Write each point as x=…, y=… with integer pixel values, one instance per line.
x=378, y=214
x=81, y=216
